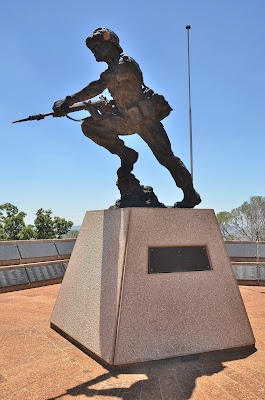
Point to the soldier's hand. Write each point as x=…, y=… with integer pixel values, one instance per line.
x=60, y=108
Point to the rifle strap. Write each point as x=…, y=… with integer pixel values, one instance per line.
x=76, y=120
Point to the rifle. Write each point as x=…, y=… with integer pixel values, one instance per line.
x=103, y=105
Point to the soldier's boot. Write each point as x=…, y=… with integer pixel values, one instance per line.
x=191, y=198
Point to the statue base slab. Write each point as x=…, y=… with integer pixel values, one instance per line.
x=114, y=308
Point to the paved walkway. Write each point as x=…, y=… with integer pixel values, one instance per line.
x=36, y=363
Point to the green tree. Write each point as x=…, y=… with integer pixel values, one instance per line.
x=27, y=233
x=224, y=219
x=48, y=228
x=13, y=227
x=246, y=222
x=11, y=222
x=249, y=219
x=61, y=226
x=2, y=232
x=72, y=234
x=44, y=224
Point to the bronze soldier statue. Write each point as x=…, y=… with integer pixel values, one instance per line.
x=134, y=109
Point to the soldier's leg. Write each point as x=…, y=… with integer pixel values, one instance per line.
x=156, y=138
x=103, y=133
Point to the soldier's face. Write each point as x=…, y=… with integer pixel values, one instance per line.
x=100, y=51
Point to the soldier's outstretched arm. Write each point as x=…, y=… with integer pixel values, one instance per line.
x=90, y=91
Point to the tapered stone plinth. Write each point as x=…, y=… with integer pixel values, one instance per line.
x=111, y=307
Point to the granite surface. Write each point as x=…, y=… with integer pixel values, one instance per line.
x=88, y=302
x=111, y=305
x=165, y=315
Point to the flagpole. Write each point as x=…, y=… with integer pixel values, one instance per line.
x=190, y=113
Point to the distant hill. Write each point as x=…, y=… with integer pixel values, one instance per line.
x=76, y=228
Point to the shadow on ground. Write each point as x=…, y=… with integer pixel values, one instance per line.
x=164, y=379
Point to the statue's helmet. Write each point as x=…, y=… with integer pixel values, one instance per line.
x=104, y=35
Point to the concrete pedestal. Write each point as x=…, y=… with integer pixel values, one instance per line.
x=112, y=308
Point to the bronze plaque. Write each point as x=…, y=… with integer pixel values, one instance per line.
x=178, y=259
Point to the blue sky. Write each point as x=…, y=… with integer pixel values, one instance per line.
x=51, y=164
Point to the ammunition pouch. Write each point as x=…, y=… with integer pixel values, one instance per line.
x=153, y=106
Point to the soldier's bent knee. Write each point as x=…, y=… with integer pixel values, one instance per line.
x=87, y=128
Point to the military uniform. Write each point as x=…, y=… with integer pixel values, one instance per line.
x=134, y=109
x=124, y=81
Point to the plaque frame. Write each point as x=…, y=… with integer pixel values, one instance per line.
x=178, y=258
